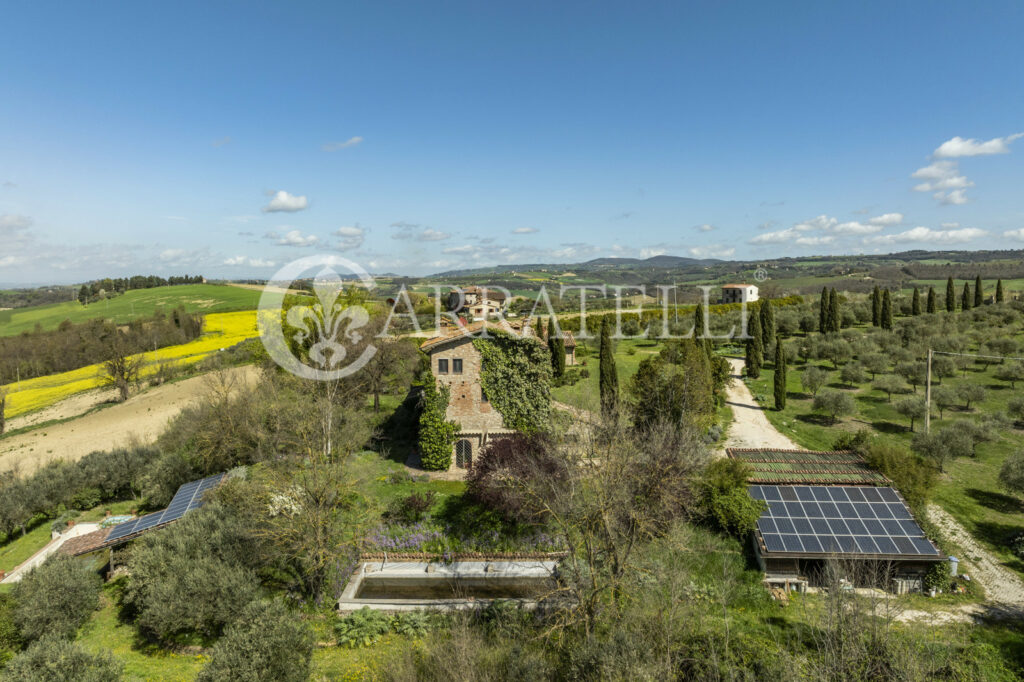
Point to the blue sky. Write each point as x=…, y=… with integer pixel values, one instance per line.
x=417, y=137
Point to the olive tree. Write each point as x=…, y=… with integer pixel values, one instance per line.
x=1011, y=474
x=812, y=379
x=53, y=658
x=889, y=384
x=970, y=393
x=834, y=403
x=944, y=397
x=912, y=408
x=268, y=643
x=56, y=598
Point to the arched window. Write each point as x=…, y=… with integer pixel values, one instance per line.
x=463, y=454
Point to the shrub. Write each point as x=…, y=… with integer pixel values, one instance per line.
x=505, y=464
x=56, y=598
x=436, y=433
x=723, y=498
x=55, y=659
x=1016, y=545
x=10, y=638
x=937, y=577
x=361, y=628
x=910, y=473
x=413, y=508
x=267, y=643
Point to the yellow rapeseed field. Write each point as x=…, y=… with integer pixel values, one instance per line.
x=221, y=330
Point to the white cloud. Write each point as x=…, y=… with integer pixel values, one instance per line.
x=712, y=251
x=855, y=227
x=778, y=237
x=296, y=238
x=352, y=237
x=431, y=235
x=887, y=219
x=524, y=230
x=704, y=228
x=283, y=202
x=249, y=262
x=943, y=179
x=958, y=146
x=171, y=254
x=1015, y=234
x=926, y=234
x=465, y=248
x=337, y=146
x=652, y=252
x=822, y=222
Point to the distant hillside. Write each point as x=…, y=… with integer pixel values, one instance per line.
x=140, y=303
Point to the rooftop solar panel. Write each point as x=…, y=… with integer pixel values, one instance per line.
x=188, y=497
x=845, y=519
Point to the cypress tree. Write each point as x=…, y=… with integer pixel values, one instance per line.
x=886, y=310
x=876, y=307
x=755, y=348
x=780, y=375
x=556, y=346
x=823, y=311
x=950, y=296
x=539, y=329
x=767, y=323
x=979, y=292
x=931, y=300
x=698, y=330
x=609, y=377
x=965, y=298
x=999, y=291
x=915, y=304
x=834, y=319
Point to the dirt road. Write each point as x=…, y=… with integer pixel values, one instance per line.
x=1003, y=588
x=140, y=419
x=750, y=427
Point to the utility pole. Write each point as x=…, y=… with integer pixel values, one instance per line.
x=928, y=394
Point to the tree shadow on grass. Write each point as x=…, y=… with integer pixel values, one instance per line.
x=816, y=419
x=888, y=427
x=877, y=399
x=999, y=502
x=1000, y=534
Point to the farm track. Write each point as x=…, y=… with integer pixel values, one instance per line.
x=138, y=420
x=750, y=427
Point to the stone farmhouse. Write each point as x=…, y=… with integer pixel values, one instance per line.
x=739, y=293
x=478, y=303
x=457, y=363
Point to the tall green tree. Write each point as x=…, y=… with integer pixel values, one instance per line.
x=979, y=292
x=780, y=375
x=915, y=303
x=999, y=291
x=835, y=319
x=609, y=379
x=556, y=345
x=539, y=328
x=965, y=298
x=698, y=330
x=950, y=296
x=83, y=295
x=823, y=311
x=876, y=307
x=931, y=300
x=886, y=310
x=755, y=348
x=767, y=314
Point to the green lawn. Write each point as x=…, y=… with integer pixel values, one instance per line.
x=584, y=394
x=21, y=547
x=968, y=489
x=140, y=303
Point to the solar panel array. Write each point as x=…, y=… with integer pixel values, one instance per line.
x=188, y=497
x=839, y=520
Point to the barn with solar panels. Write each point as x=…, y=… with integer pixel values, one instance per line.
x=189, y=496
x=823, y=505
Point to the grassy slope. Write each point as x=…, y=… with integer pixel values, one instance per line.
x=140, y=303
x=968, y=490
x=584, y=394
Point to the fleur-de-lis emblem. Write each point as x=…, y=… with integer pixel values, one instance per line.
x=328, y=323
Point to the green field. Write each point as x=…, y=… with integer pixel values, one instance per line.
x=140, y=303
x=584, y=394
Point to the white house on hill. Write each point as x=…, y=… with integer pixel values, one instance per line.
x=739, y=293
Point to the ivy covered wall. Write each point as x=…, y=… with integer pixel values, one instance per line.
x=516, y=375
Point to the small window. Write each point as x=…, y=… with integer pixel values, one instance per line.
x=457, y=366
x=442, y=366
x=483, y=394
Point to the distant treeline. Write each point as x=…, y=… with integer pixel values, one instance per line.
x=91, y=291
x=70, y=346
x=26, y=298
